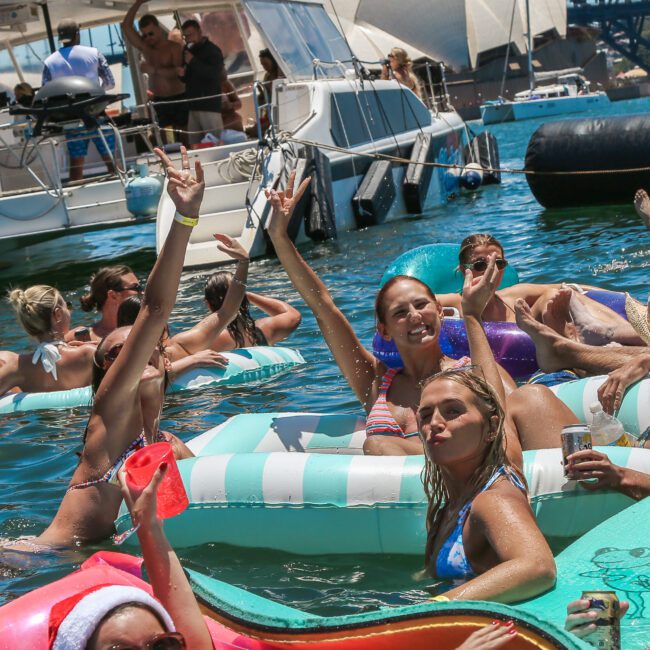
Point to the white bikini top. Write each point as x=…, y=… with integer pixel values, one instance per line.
x=48, y=354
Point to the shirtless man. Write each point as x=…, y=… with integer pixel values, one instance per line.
x=162, y=57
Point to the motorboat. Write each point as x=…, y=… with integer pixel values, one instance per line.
x=353, y=134
x=571, y=94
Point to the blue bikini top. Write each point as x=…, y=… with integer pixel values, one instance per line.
x=452, y=561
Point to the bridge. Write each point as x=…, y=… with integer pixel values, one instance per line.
x=621, y=24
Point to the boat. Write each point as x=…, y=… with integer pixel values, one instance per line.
x=571, y=94
x=332, y=121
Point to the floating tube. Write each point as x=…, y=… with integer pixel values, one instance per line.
x=245, y=365
x=435, y=265
x=615, y=556
x=589, y=144
x=243, y=481
x=375, y=195
x=237, y=618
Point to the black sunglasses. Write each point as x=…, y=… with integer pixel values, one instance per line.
x=481, y=265
x=165, y=641
x=133, y=287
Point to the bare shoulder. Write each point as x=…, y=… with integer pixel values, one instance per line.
x=501, y=502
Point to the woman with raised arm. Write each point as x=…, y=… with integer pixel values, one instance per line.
x=241, y=331
x=409, y=313
x=129, y=384
x=54, y=365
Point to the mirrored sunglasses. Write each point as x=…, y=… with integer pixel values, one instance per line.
x=481, y=264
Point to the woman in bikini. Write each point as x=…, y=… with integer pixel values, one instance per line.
x=409, y=313
x=566, y=310
x=241, y=331
x=129, y=380
x=54, y=365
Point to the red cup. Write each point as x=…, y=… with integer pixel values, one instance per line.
x=140, y=467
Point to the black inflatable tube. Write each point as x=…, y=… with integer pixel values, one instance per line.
x=612, y=143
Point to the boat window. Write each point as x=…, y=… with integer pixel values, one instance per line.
x=298, y=33
x=363, y=117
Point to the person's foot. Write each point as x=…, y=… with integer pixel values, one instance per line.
x=557, y=315
x=642, y=206
x=590, y=329
x=548, y=343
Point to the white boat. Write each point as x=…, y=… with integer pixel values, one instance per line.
x=571, y=94
x=326, y=99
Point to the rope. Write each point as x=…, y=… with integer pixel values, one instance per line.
x=239, y=166
x=503, y=170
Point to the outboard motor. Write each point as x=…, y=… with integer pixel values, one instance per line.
x=66, y=99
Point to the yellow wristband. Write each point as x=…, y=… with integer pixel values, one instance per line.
x=186, y=221
x=440, y=599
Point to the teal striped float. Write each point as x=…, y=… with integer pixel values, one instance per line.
x=634, y=412
x=294, y=482
x=615, y=556
x=245, y=365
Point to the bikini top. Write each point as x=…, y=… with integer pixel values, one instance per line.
x=380, y=421
x=452, y=561
x=48, y=354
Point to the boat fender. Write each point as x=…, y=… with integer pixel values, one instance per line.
x=320, y=221
x=590, y=144
x=418, y=176
x=143, y=193
x=484, y=150
x=375, y=195
x=471, y=177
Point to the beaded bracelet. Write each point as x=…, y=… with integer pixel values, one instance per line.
x=186, y=221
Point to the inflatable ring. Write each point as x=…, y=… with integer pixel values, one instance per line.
x=245, y=365
x=302, y=479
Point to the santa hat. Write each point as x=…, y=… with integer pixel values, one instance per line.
x=74, y=620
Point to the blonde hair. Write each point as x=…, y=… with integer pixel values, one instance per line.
x=474, y=241
x=404, y=61
x=34, y=307
x=495, y=454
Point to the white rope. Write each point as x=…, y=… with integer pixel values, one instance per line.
x=239, y=166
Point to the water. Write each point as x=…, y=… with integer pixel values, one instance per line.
x=605, y=246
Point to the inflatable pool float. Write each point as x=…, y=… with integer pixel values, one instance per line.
x=245, y=365
x=615, y=556
x=240, y=619
x=302, y=479
x=436, y=266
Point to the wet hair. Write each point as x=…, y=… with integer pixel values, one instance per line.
x=106, y=279
x=380, y=309
x=147, y=19
x=34, y=307
x=473, y=241
x=495, y=454
x=191, y=23
x=215, y=292
x=133, y=605
x=128, y=311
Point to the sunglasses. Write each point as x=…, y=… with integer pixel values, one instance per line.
x=112, y=353
x=133, y=287
x=148, y=34
x=481, y=265
x=166, y=641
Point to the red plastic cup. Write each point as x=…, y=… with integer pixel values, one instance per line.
x=140, y=467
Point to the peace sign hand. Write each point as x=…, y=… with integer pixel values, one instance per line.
x=185, y=190
x=283, y=204
x=477, y=292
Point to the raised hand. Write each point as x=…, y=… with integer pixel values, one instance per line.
x=142, y=502
x=283, y=204
x=477, y=292
x=185, y=190
x=231, y=247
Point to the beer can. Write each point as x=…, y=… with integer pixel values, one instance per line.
x=575, y=437
x=607, y=635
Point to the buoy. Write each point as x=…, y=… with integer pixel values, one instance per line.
x=589, y=144
x=375, y=195
x=471, y=176
x=143, y=193
x=417, y=177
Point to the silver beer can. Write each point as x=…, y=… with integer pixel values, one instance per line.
x=575, y=437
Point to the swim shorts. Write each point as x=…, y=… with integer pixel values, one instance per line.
x=77, y=141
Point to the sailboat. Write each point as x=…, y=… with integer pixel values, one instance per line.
x=571, y=94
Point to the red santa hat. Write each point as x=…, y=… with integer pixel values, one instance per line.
x=74, y=620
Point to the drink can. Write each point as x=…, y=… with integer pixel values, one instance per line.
x=575, y=437
x=607, y=635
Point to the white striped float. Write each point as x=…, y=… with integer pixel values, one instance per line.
x=263, y=480
x=245, y=365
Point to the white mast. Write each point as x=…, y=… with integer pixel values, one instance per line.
x=531, y=76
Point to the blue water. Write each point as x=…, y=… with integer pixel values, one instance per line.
x=605, y=246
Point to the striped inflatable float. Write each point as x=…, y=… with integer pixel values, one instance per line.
x=293, y=482
x=237, y=618
x=245, y=365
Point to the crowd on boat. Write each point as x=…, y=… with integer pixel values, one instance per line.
x=466, y=415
